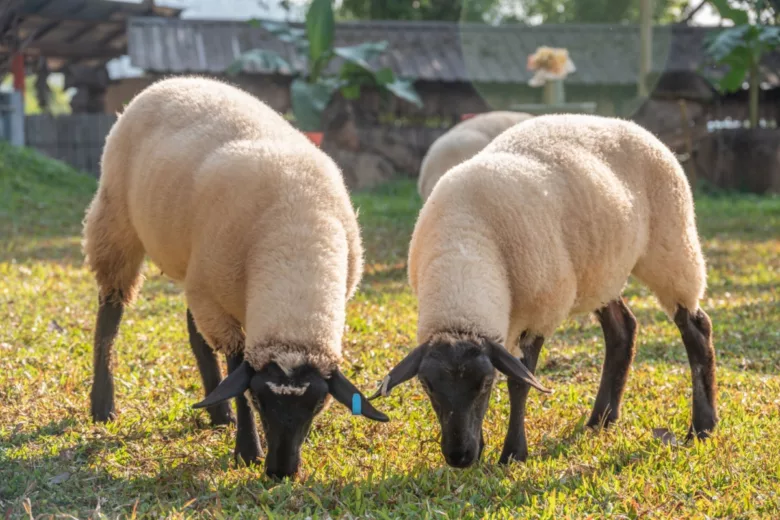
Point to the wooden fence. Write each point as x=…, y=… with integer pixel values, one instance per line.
x=76, y=139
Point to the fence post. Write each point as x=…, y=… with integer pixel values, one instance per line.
x=17, y=119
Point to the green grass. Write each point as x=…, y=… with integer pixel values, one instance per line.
x=161, y=459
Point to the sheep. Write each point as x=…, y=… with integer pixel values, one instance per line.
x=255, y=221
x=460, y=143
x=549, y=220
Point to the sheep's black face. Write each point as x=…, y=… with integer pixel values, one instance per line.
x=457, y=371
x=458, y=379
x=287, y=404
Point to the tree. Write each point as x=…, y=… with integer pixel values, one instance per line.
x=312, y=91
x=766, y=12
x=417, y=10
x=595, y=11
x=742, y=46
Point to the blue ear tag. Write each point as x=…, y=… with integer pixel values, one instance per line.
x=357, y=404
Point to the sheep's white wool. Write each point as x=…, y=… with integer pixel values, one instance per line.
x=228, y=198
x=550, y=219
x=460, y=143
x=287, y=361
x=287, y=389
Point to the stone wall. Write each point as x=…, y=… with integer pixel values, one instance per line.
x=740, y=160
x=383, y=152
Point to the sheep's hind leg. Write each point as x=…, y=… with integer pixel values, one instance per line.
x=247, y=441
x=618, y=325
x=109, y=316
x=696, y=331
x=515, y=443
x=208, y=365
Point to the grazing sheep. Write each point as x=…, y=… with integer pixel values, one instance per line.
x=550, y=219
x=227, y=197
x=460, y=143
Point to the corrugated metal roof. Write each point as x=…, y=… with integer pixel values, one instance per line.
x=77, y=31
x=95, y=10
x=433, y=51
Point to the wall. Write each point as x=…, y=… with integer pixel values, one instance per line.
x=391, y=137
x=741, y=160
x=76, y=139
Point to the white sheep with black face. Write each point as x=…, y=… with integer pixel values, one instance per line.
x=550, y=219
x=228, y=198
x=461, y=142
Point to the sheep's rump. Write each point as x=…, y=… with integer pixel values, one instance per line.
x=574, y=204
x=460, y=143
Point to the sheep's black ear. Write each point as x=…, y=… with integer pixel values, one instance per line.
x=403, y=371
x=347, y=394
x=512, y=367
x=233, y=385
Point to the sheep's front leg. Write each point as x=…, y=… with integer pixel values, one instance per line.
x=225, y=334
x=247, y=441
x=109, y=316
x=619, y=327
x=515, y=443
x=696, y=331
x=208, y=365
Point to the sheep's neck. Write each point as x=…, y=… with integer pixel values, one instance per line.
x=297, y=287
x=463, y=285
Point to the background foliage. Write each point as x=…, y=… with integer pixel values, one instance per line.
x=546, y=11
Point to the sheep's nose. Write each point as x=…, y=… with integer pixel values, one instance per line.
x=281, y=473
x=281, y=469
x=460, y=458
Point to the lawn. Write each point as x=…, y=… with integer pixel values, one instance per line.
x=161, y=459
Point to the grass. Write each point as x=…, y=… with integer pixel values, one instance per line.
x=160, y=459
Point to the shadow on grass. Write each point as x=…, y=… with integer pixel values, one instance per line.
x=744, y=337
x=76, y=479
x=195, y=486
x=57, y=427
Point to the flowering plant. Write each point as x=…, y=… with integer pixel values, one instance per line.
x=550, y=64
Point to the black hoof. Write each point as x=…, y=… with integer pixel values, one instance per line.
x=221, y=415
x=599, y=421
x=513, y=455
x=247, y=452
x=103, y=412
x=699, y=434
x=247, y=457
x=103, y=417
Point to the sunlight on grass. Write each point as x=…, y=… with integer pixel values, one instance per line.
x=161, y=457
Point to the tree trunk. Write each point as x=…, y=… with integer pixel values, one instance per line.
x=754, y=90
x=645, y=46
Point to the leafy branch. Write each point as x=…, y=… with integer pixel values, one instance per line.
x=312, y=91
x=741, y=48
